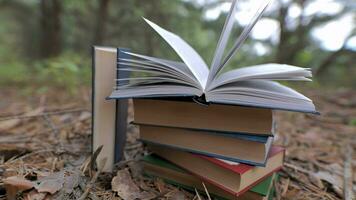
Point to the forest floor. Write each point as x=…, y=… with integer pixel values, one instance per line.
x=45, y=151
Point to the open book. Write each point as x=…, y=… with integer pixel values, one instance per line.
x=249, y=86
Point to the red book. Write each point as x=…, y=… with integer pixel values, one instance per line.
x=235, y=178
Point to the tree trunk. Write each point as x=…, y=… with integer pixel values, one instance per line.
x=50, y=43
x=102, y=17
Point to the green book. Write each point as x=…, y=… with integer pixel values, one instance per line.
x=154, y=166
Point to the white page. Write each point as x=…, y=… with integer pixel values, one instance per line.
x=190, y=57
x=261, y=93
x=262, y=102
x=270, y=71
x=176, y=68
x=133, y=67
x=245, y=33
x=270, y=87
x=158, y=90
x=154, y=74
x=171, y=64
x=224, y=37
x=148, y=79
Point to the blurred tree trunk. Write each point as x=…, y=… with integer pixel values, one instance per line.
x=291, y=41
x=102, y=17
x=50, y=42
x=284, y=35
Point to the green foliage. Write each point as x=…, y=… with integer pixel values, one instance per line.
x=352, y=122
x=68, y=71
x=14, y=73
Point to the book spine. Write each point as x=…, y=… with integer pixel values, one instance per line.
x=248, y=162
x=121, y=111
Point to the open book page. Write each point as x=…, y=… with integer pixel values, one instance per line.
x=156, y=70
x=245, y=33
x=190, y=57
x=155, y=78
x=271, y=71
x=155, y=90
x=177, y=67
x=224, y=37
x=261, y=93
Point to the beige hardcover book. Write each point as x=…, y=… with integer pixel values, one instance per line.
x=231, y=146
x=215, y=117
x=103, y=126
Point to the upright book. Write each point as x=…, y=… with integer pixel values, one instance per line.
x=249, y=86
x=109, y=118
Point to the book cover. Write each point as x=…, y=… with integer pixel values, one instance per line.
x=109, y=118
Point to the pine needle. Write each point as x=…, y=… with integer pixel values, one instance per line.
x=206, y=191
x=197, y=194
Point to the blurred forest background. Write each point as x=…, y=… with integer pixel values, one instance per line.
x=45, y=76
x=47, y=43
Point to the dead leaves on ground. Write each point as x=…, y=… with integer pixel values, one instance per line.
x=124, y=186
x=54, y=186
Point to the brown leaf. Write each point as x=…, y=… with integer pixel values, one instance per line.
x=34, y=195
x=333, y=179
x=15, y=184
x=316, y=181
x=126, y=188
x=84, y=116
x=176, y=195
x=159, y=183
x=71, y=181
x=51, y=183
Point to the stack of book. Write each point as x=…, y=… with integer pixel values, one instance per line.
x=207, y=125
x=227, y=147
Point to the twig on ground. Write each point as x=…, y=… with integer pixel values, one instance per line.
x=296, y=168
x=60, y=112
x=348, y=190
x=93, y=180
x=29, y=154
x=206, y=191
x=196, y=194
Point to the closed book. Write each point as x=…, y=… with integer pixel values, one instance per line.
x=235, y=178
x=214, y=117
x=229, y=146
x=154, y=166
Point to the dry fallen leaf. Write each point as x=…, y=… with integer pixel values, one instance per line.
x=34, y=195
x=71, y=181
x=15, y=184
x=330, y=178
x=51, y=183
x=84, y=116
x=126, y=188
x=161, y=186
x=176, y=195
